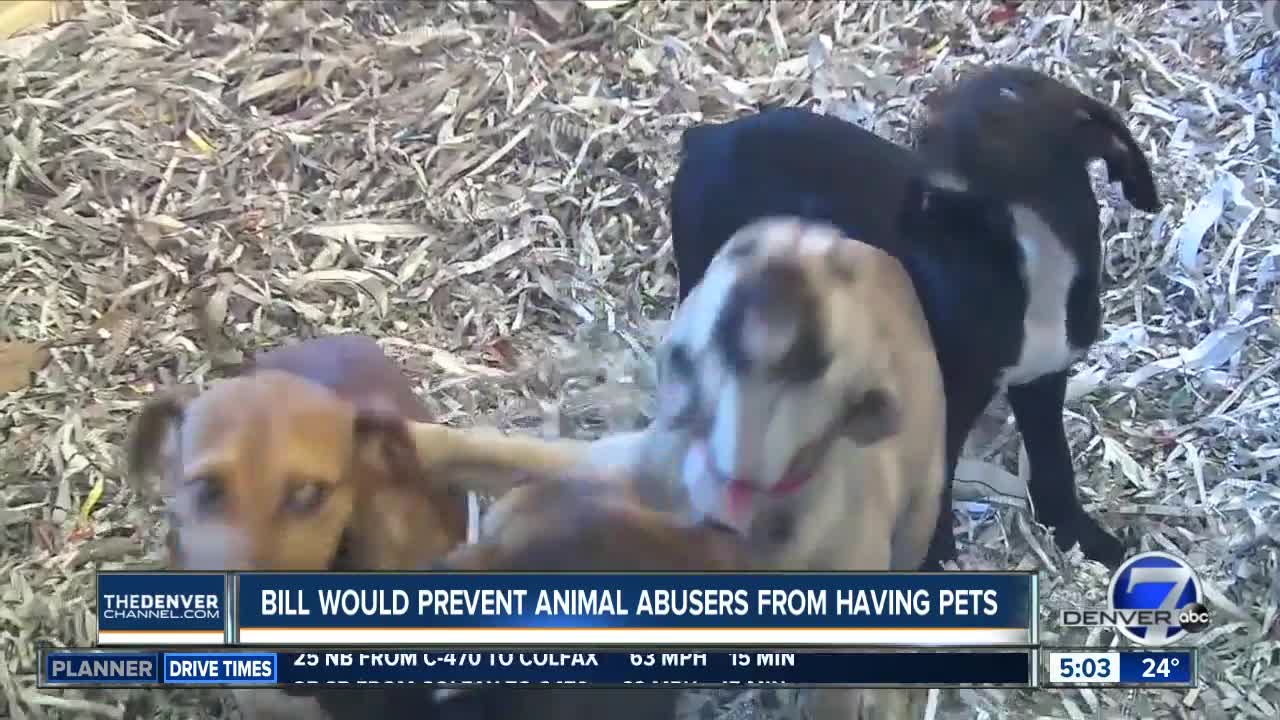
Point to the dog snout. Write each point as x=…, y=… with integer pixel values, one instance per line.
x=772, y=325
x=733, y=520
x=211, y=548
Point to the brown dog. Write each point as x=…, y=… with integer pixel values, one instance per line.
x=291, y=466
x=304, y=463
x=300, y=464
x=557, y=525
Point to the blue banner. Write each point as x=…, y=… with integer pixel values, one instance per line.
x=162, y=608
x=704, y=609
x=211, y=668
x=569, y=666
x=1157, y=667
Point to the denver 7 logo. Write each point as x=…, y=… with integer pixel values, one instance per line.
x=1153, y=581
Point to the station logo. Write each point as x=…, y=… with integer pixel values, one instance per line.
x=1154, y=599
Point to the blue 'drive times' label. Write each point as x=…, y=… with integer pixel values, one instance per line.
x=220, y=668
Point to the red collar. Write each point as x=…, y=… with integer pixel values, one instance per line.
x=803, y=467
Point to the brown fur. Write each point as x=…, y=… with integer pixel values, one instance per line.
x=273, y=469
x=592, y=526
x=307, y=453
x=558, y=525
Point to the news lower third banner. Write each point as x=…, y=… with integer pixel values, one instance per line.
x=559, y=666
x=584, y=609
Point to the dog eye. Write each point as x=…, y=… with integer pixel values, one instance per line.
x=211, y=493
x=675, y=402
x=306, y=497
x=680, y=362
x=677, y=389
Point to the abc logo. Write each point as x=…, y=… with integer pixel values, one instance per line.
x=1194, y=618
x=1157, y=599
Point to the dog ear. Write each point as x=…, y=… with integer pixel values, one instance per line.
x=382, y=440
x=872, y=417
x=1103, y=134
x=146, y=439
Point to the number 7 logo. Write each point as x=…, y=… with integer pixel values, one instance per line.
x=1154, y=581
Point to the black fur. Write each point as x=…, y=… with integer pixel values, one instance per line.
x=780, y=291
x=958, y=247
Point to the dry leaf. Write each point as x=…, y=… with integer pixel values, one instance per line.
x=18, y=360
x=91, y=500
x=502, y=354
x=1197, y=223
x=373, y=231
x=82, y=532
x=1216, y=348
x=557, y=10
x=1002, y=13
x=365, y=282
x=295, y=78
x=44, y=535
x=1114, y=453
x=201, y=144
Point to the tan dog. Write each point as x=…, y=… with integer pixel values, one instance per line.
x=800, y=402
x=557, y=525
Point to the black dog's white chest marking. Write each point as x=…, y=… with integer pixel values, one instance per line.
x=1048, y=270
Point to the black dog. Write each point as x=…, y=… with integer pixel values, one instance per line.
x=1014, y=317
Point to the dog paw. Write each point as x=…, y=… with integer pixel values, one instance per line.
x=1095, y=542
x=937, y=555
x=931, y=564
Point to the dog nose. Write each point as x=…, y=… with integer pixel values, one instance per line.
x=772, y=324
x=730, y=519
x=715, y=524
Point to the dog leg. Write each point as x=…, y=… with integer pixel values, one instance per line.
x=916, y=527
x=943, y=545
x=440, y=446
x=1037, y=408
x=488, y=460
x=963, y=409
